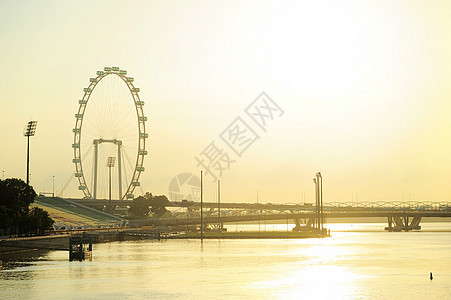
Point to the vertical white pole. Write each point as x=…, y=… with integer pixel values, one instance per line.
x=201, y=209
x=96, y=156
x=119, y=165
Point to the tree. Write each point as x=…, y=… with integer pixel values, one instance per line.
x=42, y=220
x=15, y=215
x=15, y=198
x=16, y=194
x=159, y=204
x=140, y=206
x=4, y=220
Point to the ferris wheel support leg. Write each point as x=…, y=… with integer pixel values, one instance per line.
x=119, y=165
x=96, y=156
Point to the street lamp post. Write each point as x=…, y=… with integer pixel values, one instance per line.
x=201, y=209
x=30, y=130
x=319, y=202
x=110, y=164
x=316, y=219
x=219, y=207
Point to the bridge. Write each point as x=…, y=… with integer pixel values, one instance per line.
x=384, y=205
x=400, y=215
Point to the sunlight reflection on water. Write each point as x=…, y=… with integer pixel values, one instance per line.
x=315, y=281
x=360, y=264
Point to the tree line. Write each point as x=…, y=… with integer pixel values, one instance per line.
x=16, y=217
x=147, y=205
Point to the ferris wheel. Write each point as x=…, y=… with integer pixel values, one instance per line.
x=109, y=132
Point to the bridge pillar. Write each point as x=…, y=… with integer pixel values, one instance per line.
x=306, y=227
x=416, y=222
x=402, y=223
x=390, y=224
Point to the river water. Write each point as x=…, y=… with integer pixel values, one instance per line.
x=359, y=261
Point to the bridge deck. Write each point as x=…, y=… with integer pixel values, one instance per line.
x=292, y=216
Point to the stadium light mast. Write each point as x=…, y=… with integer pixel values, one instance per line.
x=30, y=130
x=110, y=164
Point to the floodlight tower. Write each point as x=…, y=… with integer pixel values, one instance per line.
x=30, y=130
x=316, y=218
x=110, y=164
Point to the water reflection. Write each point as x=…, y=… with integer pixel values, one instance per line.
x=347, y=266
x=319, y=271
x=315, y=282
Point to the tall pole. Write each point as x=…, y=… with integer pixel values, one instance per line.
x=96, y=156
x=318, y=211
x=30, y=130
x=219, y=206
x=119, y=166
x=53, y=186
x=201, y=207
x=321, y=204
x=110, y=164
x=259, y=216
x=315, y=223
x=109, y=184
x=28, y=160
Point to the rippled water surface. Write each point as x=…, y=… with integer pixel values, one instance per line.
x=359, y=261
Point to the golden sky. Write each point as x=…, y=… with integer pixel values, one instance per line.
x=364, y=86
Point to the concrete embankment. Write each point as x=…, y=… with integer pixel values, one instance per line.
x=60, y=242
x=32, y=244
